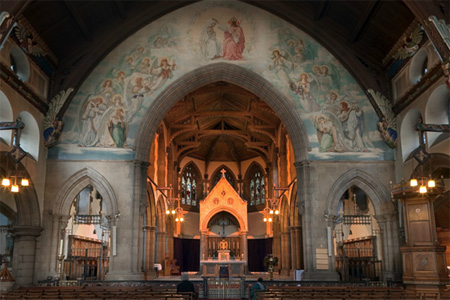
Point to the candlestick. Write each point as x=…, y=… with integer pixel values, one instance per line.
x=60, y=247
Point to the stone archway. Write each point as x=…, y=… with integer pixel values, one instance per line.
x=385, y=215
x=232, y=74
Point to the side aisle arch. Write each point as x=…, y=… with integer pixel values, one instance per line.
x=372, y=187
x=76, y=183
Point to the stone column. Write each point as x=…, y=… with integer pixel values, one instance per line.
x=391, y=254
x=24, y=253
x=149, y=248
x=59, y=223
x=297, y=245
x=161, y=244
x=243, y=246
x=203, y=246
x=286, y=251
x=124, y=261
x=314, y=226
x=424, y=267
x=276, y=247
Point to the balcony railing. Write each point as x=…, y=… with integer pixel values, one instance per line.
x=357, y=220
x=87, y=219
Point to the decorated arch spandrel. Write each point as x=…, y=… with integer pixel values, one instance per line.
x=223, y=197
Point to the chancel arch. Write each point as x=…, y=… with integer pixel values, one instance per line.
x=230, y=73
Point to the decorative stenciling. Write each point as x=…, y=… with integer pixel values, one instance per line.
x=104, y=117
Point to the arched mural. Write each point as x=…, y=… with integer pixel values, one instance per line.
x=107, y=110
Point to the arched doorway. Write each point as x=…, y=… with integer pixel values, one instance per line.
x=361, y=215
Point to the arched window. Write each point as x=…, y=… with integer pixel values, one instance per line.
x=190, y=184
x=228, y=175
x=255, y=190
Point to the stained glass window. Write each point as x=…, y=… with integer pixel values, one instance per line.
x=257, y=186
x=228, y=176
x=189, y=186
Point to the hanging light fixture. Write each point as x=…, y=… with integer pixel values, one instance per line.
x=14, y=177
x=272, y=204
x=177, y=210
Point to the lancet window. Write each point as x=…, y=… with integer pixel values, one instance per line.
x=256, y=190
x=189, y=184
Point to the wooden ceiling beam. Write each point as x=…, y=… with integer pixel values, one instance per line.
x=364, y=20
x=118, y=4
x=78, y=20
x=322, y=9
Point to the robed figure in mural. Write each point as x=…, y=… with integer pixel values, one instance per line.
x=118, y=128
x=234, y=41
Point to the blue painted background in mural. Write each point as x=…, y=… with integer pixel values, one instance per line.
x=103, y=118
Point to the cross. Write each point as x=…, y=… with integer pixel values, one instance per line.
x=223, y=171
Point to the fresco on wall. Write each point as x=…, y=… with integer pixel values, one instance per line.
x=103, y=118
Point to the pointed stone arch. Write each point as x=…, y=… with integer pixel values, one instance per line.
x=231, y=211
x=228, y=171
x=378, y=194
x=76, y=183
x=233, y=74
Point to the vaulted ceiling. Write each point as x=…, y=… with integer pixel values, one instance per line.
x=222, y=122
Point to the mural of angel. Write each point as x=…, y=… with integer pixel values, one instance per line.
x=410, y=44
x=209, y=45
x=352, y=119
x=104, y=137
x=303, y=91
x=119, y=82
x=162, y=73
x=330, y=133
x=233, y=44
x=297, y=50
x=164, y=38
x=118, y=128
x=130, y=61
x=145, y=66
x=332, y=102
x=279, y=65
x=92, y=112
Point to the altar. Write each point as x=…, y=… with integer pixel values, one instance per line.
x=212, y=268
x=223, y=232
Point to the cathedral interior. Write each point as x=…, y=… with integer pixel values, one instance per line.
x=289, y=140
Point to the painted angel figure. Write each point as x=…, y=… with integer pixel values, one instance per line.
x=280, y=67
x=352, y=119
x=161, y=74
x=303, y=90
x=209, y=45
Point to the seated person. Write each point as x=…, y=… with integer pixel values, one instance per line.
x=185, y=285
x=257, y=287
